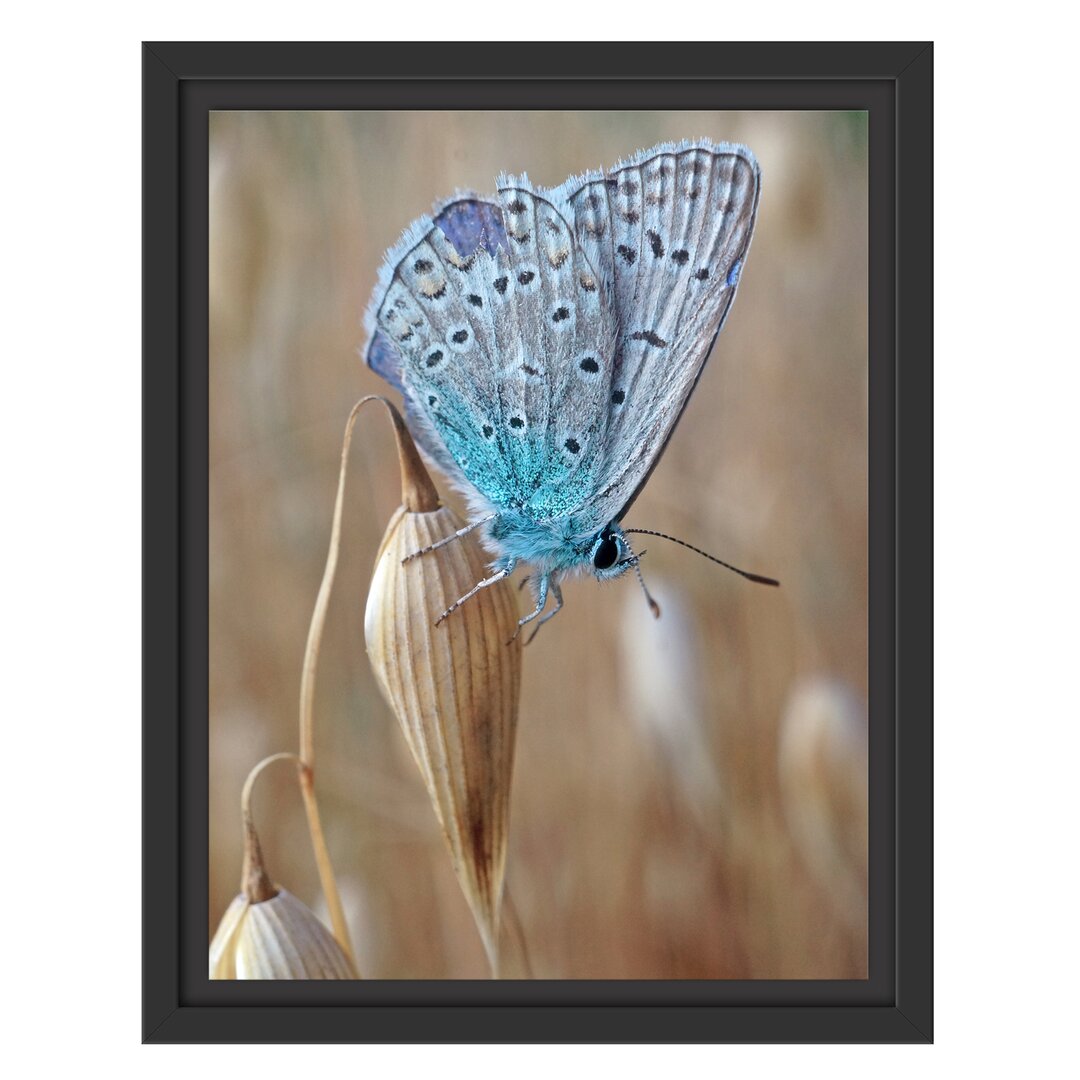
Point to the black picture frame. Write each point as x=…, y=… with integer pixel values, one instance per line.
x=182, y=82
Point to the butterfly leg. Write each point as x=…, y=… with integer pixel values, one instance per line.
x=551, y=614
x=505, y=572
x=447, y=539
x=541, y=600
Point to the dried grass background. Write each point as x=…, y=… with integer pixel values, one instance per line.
x=689, y=795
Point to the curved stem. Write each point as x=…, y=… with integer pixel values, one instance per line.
x=255, y=883
x=325, y=867
x=249, y=783
x=418, y=494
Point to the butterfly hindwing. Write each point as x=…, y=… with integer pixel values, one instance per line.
x=669, y=231
x=420, y=312
x=484, y=306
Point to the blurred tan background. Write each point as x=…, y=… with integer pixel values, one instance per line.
x=690, y=794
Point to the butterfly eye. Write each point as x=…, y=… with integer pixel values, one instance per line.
x=606, y=554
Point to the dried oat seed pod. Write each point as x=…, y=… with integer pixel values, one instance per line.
x=266, y=932
x=453, y=687
x=279, y=938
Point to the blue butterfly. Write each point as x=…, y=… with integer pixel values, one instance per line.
x=546, y=342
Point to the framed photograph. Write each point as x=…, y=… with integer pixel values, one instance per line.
x=442, y=342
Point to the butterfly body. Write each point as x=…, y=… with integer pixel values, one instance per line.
x=547, y=341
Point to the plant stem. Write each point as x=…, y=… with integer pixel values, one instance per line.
x=255, y=883
x=419, y=494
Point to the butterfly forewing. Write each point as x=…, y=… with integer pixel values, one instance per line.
x=669, y=230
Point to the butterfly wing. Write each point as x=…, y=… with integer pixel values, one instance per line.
x=669, y=230
x=475, y=311
x=467, y=223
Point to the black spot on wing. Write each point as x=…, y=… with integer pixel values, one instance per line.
x=650, y=337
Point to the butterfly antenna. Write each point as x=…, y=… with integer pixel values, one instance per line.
x=759, y=578
x=635, y=561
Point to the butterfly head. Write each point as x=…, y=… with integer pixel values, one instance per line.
x=610, y=555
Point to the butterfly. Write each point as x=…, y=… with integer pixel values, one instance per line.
x=546, y=342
